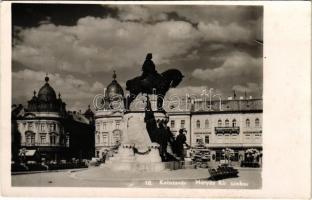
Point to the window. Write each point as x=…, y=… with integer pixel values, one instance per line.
x=97, y=126
x=234, y=123
x=172, y=124
x=206, y=123
x=30, y=125
x=30, y=138
x=182, y=123
x=257, y=122
x=247, y=123
x=117, y=124
x=227, y=123
x=53, y=127
x=104, y=125
x=116, y=137
x=105, y=138
x=197, y=124
x=43, y=139
x=52, y=139
x=42, y=127
x=97, y=154
x=219, y=122
x=199, y=140
x=67, y=140
x=97, y=140
x=207, y=139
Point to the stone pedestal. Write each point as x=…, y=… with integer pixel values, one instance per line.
x=136, y=136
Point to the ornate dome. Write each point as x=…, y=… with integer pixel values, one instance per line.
x=46, y=92
x=114, y=89
x=46, y=100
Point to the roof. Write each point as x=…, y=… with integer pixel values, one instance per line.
x=114, y=88
x=215, y=106
x=46, y=92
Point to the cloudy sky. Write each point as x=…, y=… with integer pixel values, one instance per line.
x=79, y=46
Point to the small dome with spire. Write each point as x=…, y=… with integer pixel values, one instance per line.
x=114, y=89
x=46, y=100
x=46, y=92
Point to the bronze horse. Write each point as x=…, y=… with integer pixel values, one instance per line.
x=158, y=84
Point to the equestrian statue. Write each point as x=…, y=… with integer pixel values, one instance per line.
x=151, y=82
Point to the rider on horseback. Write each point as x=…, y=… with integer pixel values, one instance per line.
x=151, y=82
x=148, y=67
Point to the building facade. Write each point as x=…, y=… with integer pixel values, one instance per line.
x=235, y=124
x=47, y=130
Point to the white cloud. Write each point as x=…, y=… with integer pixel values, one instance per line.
x=103, y=44
x=96, y=44
x=75, y=92
x=249, y=88
x=214, y=31
x=235, y=65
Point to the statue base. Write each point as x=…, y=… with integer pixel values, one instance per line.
x=127, y=160
x=136, y=152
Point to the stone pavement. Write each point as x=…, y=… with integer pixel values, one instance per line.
x=101, y=177
x=103, y=173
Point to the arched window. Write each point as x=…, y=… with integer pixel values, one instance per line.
x=234, y=122
x=206, y=123
x=247, y=123
x=219, y=122
x=197, y=124
x=227, y=123
x=257, y=122
x=30, y=138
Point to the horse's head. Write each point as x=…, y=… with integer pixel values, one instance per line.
x=174, y=76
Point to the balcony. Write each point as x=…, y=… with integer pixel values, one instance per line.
x=227, y=130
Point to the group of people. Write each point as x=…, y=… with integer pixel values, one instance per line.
x=171, y=148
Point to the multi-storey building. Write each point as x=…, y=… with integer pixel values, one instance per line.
x=216, y=124
x=234, y=124
x=108, y=121
x=46, y=129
